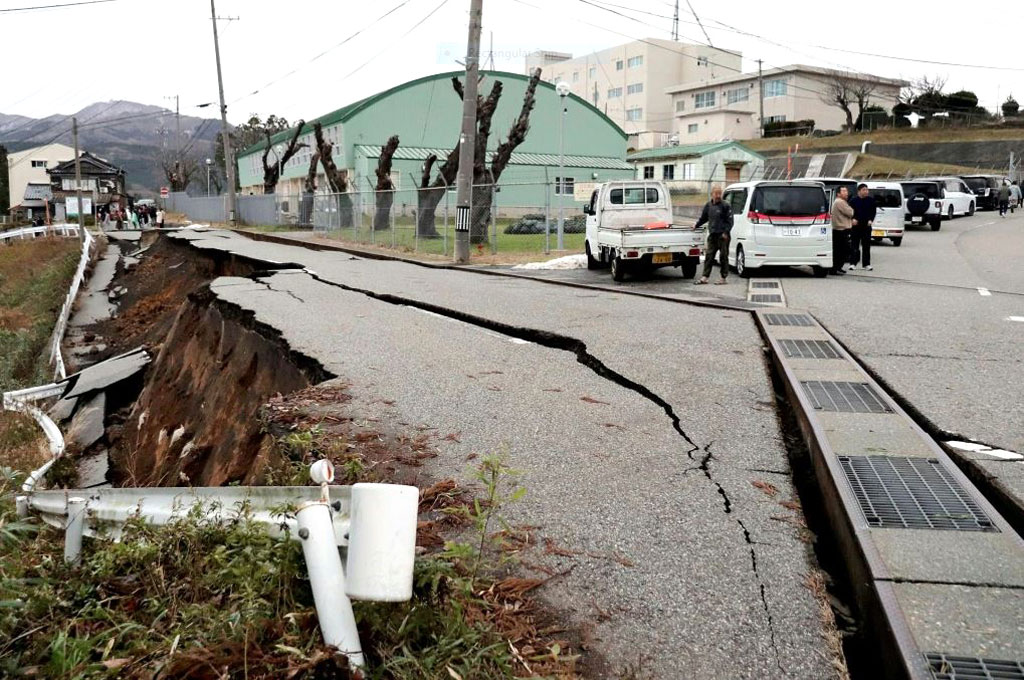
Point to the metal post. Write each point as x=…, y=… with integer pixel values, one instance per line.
x=760, y=95
x=78, y=182
x=561, y=171
x=327, y=580
x=494, y=217
x=547, y=211
x=416, y=230
x=444, y=247
x=229, y=160
x=467, y=139
x=74, y=528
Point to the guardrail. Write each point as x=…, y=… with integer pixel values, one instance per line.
x=56, y=357
x=35, y=232
x=375, y=522
x=19, y=400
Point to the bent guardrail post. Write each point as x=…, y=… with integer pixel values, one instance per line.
x=74, y=529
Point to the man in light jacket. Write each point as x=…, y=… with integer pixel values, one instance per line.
x=717, y=215
x=842, y=222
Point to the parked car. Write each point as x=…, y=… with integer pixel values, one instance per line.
x=986, y=189
x=832, y=185
x=959, y=199
x=780, y=223
x=630, y=227
x=924, y=202
x=889, y=222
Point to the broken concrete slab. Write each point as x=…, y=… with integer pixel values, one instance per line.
x=106, y=373
x=63, y=409
x=92, y=469
x=88, y=425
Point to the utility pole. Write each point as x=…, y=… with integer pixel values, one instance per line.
x=467, y=140
x=177, y=127
x=78, y=181
x=229, y=160
x=760, y=95
x=675, y=23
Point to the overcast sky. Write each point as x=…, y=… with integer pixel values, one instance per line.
x=146, y=50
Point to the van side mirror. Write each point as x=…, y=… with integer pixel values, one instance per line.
x=587, y=210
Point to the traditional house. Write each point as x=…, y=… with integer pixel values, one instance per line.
x=102, y=183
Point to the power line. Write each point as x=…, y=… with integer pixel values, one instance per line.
x=388, y=48
x=921, y=61
x=65, y=4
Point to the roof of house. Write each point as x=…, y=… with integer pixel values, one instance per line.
x=89, y=163
x=778, y=70
x=346, y=112
x=38, y=192
x=688, y=151
x=415, y=153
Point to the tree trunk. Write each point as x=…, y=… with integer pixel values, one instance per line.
x=384, y=197
x=346, y=212
x=382, y=215
x=480, y=216
x=427, y=201
x=337, y=180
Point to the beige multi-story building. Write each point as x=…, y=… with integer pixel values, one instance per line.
x=629, y=83
x=29, y=167
x=727, y=107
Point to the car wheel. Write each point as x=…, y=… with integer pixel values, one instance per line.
x=741, y=263
x=820, y=272
x=950, y=212
x=690, y=268
x=618, y=269
x=876, y=240
x=970, y=211
x=592, y=263
x=936, y=224
x=898, y=241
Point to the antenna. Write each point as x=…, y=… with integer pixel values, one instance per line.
x=675, y=23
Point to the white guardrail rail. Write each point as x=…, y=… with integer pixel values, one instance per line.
x=35, y=232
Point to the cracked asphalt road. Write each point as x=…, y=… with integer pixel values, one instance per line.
x=640, y=428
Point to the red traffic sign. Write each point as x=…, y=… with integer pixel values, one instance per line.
x=163, y=192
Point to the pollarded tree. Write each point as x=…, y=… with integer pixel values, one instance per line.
x=272, y=171
x=385, y=196
x=337, y=180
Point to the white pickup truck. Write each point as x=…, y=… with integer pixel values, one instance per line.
x=630, y=228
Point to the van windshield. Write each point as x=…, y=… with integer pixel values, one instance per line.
x=789, y=201
x=887, y=198
x=977, y=183
x=929, y=189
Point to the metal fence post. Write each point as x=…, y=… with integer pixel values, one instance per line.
x=327, y=579
x=547, y=211
x=416, y=213
x=445, y=246
x=73, y=530
x=494, y=219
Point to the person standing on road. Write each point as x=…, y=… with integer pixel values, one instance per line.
x=1004, y=199
x=864, y=212
x=717, y=214
x=842, y=221
x=1016, y=196
x=160, y=218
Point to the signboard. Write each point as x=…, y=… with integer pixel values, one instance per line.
x=164, y=191
x=71, y=206
x=582, y=190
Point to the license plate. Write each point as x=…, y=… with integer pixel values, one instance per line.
x=792, y=231
x=662, y=258
x=915, y=220
x=878, y=232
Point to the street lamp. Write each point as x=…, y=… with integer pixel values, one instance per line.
x=208, y=164
x=562, y=88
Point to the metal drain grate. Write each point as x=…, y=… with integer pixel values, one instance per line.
x=764, y=284
x=844, y=397
x=788, y=320
x=763, y=297
x=911, y=493
x=946, y=667
x=809, y=349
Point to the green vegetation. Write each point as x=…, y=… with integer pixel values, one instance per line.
x=879, y=167
x=927, y=135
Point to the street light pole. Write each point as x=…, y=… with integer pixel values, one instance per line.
x=563, y=91
x=78, y=181
x=229, y=160
x=467, y=140
x=209, y=162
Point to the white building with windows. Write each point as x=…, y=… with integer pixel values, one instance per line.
x=728, y=107
x=695, y=167
x=629, y=82
x=29, y=167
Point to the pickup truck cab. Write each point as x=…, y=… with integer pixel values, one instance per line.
x=630, y=228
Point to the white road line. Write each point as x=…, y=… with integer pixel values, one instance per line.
x=984, y=292
x=1015, y=318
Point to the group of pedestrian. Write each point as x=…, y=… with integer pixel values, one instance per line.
x=852, y=219
x=131, y=218
x=1010, y=198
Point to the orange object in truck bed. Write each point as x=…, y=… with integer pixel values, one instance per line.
x=657, y=225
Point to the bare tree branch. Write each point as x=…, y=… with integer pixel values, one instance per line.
x=387, y=152
x=517, y=133
x=272, y=173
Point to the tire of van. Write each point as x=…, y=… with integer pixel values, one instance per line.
x=690, y=267
x=820, y=272
x=936, y=223
x=950, y=212
x=898, y=241
x=741, y=263
x=592, y=263
x=970, y=211
x=618, y=269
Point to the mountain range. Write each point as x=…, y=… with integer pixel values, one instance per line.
x=130, y=135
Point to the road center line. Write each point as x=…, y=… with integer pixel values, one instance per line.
x=984, y=292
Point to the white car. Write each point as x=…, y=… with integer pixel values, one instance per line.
x=890, y=216
x=924, y=202
x=959, y=199
x=779, y=224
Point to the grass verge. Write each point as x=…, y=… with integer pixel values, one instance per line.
x=871, y=166
x=898, y=136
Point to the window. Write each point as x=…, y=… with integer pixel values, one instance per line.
x=565, y=186
x=68, y=184
x=38, y=164
x=691, y=128
x=774, y=119
x=592, y=72
x=702, y=61
x=618, y=65
x=648, y=172
x=614, y=92
x=887, y=198
x=680, y=105
x=634, y=196
x=635, y=88
x=703, y=100
x=953, y=185
x=668, y=172
x=635, y=62
x=689, y=171
x=775, y=88
x=575, y=76
x=740, y=94
x=737, y=200
x=790, y=201
x=634, y=114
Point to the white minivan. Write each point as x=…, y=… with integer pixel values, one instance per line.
x=959, y=199
x=779, y=224
x=889, y=219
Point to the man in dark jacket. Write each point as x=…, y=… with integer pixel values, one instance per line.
x=864, y=212
x=717, y=215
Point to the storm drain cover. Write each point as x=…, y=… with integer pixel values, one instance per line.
x=764, y=284
x=762, y=297
x=788, y=320
x=946, y=667
x=844, y=397
x=911, y=493
x=809, y=349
